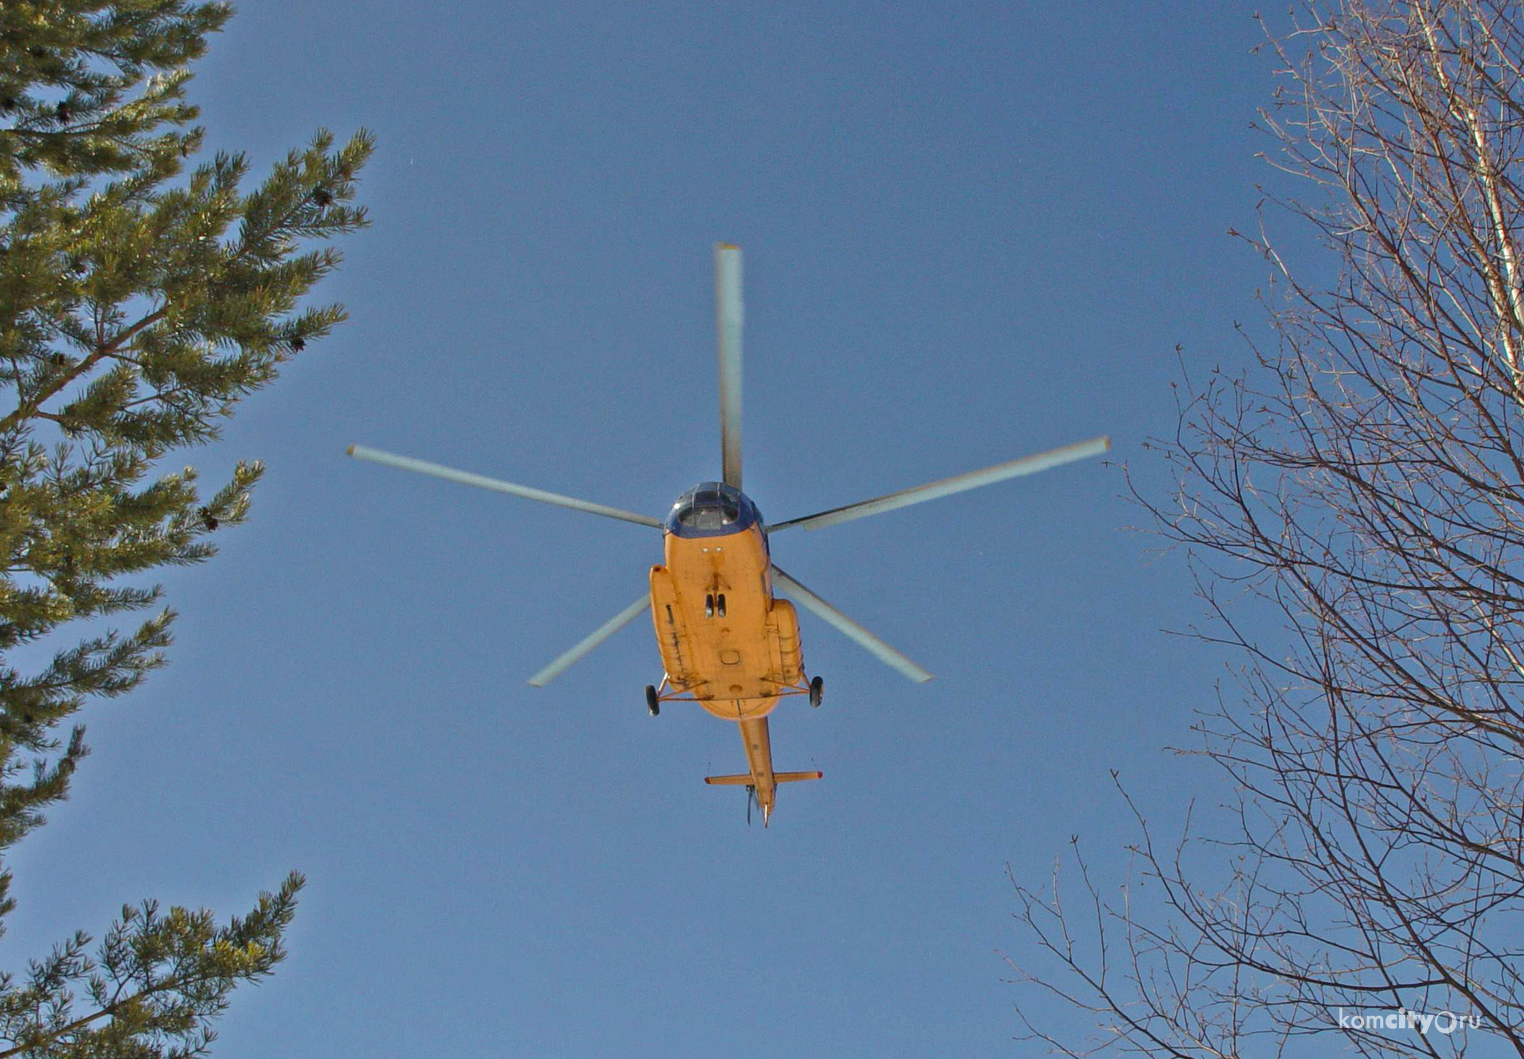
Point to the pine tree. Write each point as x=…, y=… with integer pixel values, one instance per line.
x=139, y=301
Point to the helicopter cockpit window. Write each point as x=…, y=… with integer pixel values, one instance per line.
x=710, y=511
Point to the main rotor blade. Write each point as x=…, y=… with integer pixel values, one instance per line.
x=948, y=486
x=609, y=628
x=876, y=647
x=407, y=463
x=728, y=316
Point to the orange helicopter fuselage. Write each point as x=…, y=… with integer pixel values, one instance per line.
x=726, y=642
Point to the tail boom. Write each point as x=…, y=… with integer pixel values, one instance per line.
x=762, y=780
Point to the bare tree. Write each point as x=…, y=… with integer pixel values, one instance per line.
x=1361, y=485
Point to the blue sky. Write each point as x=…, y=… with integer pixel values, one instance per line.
x=972, y=231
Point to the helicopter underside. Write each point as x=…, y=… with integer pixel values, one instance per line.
x=725, y=641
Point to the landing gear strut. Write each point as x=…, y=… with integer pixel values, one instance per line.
x=652, y=702
x=817, y=687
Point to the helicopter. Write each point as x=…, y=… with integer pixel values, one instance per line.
x=727, y=641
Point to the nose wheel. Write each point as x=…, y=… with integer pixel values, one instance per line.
x=652, y=702
x=817, y=688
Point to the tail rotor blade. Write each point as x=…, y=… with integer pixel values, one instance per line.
x=1042, y=461
x=566, y=659
x=407, y=463
x=876, y=647
x=728, y=321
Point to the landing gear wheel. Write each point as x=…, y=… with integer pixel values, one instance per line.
x=652, y=702
x=817, y=688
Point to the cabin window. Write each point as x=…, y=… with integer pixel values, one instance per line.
x=710, y=511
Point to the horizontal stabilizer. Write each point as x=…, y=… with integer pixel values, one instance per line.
x=778, y=777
